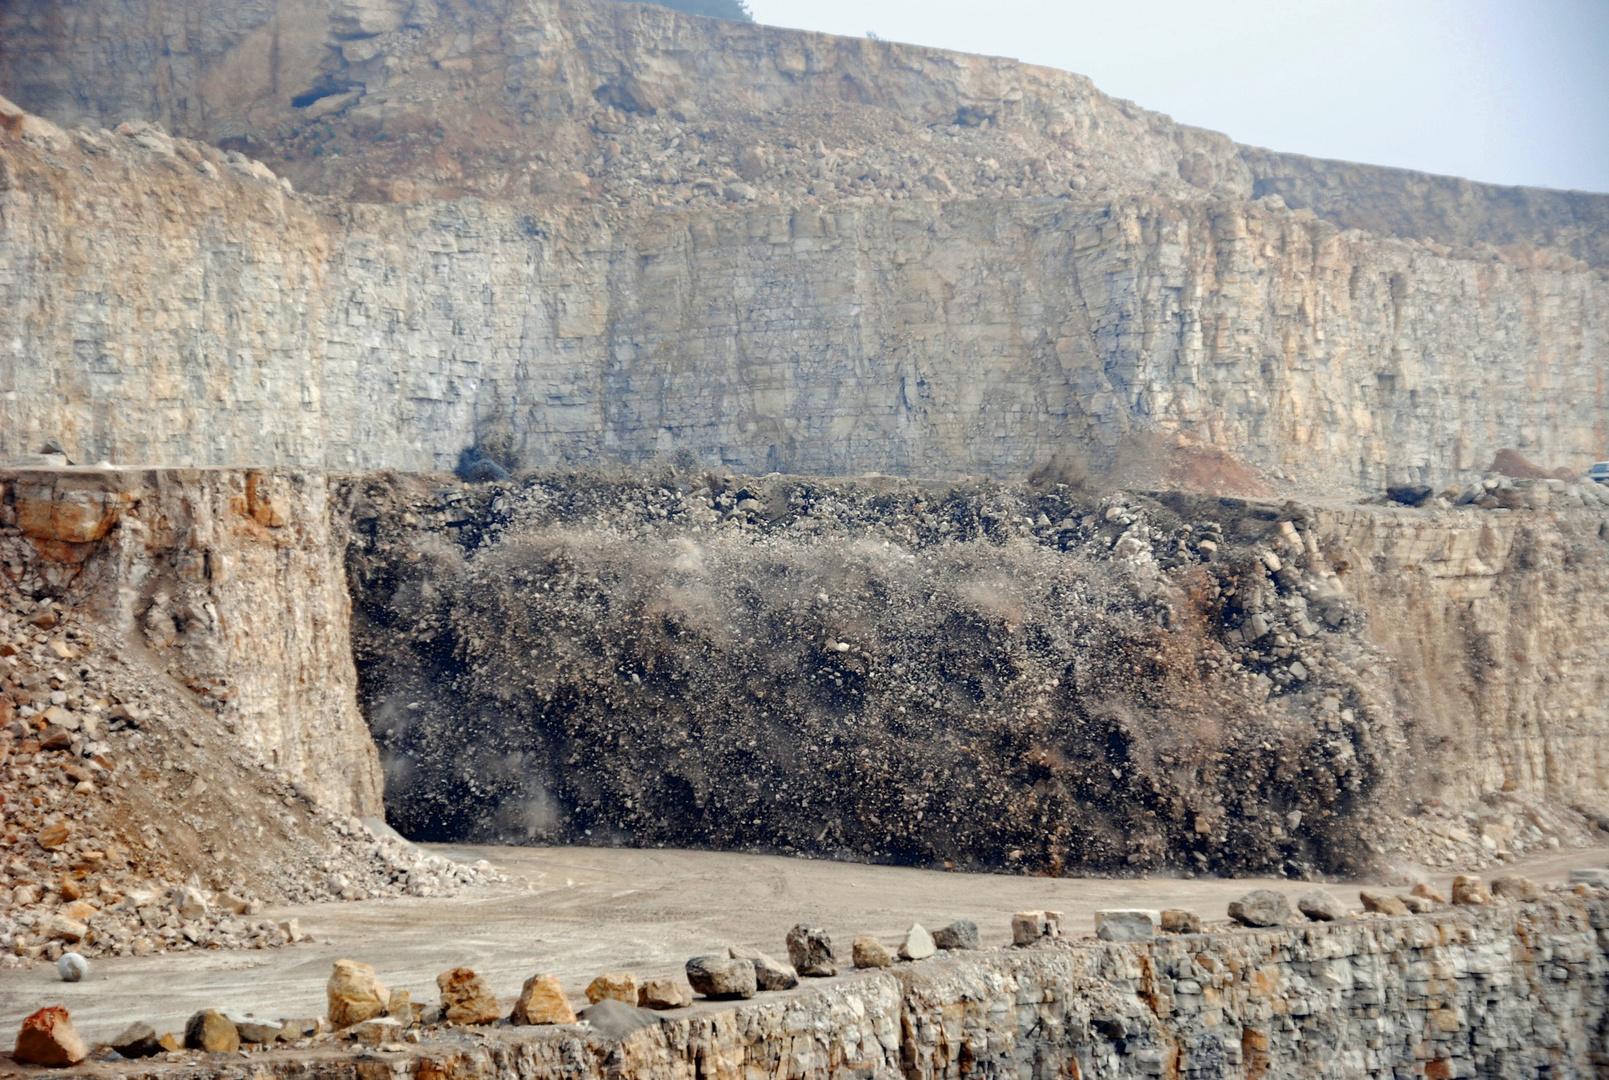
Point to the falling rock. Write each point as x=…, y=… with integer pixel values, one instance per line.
x=961, y=934
x=868, y=952
x=542, y=1001
x=54, y=836
x=1382, y=903
x=1260, y=907
x=1126, y=924
x=1181, y=921
x=615, y=1019
x=1417, y=905
x=769, y=973
x=918, y=943
x=465, y=998
x=1469, y=890
x=722, y=976
x=1028, y=927
x=1590, y=876
x=810, y=950
x=664, y=994
x=72, y=967
x=47, y=1038
x=1516, y=887
x=1320, y=906
x=212, y=1031
x=620, y=985
x=138, y=1040
x=355, y=994
x=1428, y=892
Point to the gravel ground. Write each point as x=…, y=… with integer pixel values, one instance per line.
x=578, y=912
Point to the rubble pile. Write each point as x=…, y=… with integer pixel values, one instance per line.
x=977, y=675
x=135, y=820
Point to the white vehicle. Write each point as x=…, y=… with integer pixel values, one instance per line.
x=1599, y=472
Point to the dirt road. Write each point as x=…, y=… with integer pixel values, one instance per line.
x=577, y=912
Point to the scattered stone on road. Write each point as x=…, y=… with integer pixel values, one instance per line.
x=1469, y=890
x=138, y=1040
x=1516, y=887
x=1382, y=902
x=810, y=950
x=47, y=1038
x=961, y=934
x=1126, y=924
x=918, y=943
x=466, y=999
x=1028, y=927
x=1181, y=921
x=1260, y=907
x=664, y=994
x=717, y=976
x=868, y=952
x=620, y=985
x=355, y=994
x=542, y=1001
x=769, y=972
x=212, y=1031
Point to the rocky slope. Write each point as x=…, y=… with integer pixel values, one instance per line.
x=166, y=765
x=980, y=675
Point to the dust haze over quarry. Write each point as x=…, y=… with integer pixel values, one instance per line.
x=976, y=675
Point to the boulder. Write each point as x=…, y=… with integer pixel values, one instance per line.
x=769, y=973
x=1382, y=903
x=961, y=934
x=1028, y=927
x=1470, y=890
x=1181, y=921
x=1417, y=905
x=665, y=994
x=72, y=967
x=466, y=999
x=138, y=1040
x=542, y=1001
x=212, y=1031
x=918, y=943
x=718, y=976
x=615, y=1019
x=1261, y=907
x=355, y=994
x=382, y=1029
x=620, y=985
x=1126, y=924
x=1516, y=887
x=47, y=1038
x=810, y=951
x=1428, y=892
x=868, y=952
x=258, y=1034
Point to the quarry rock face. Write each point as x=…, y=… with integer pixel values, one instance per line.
x=1036, y=267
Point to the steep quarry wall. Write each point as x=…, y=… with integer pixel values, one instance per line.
x=597, y=232
x=231, y=583
x=1058, y=678
x=969, y=337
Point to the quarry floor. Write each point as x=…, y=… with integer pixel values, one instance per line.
x=578, y=912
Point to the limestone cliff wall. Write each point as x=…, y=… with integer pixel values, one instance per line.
x=165, y=304
x=1496, y=631
x=231, y=583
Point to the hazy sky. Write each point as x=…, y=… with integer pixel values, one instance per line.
x=1507, y=91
